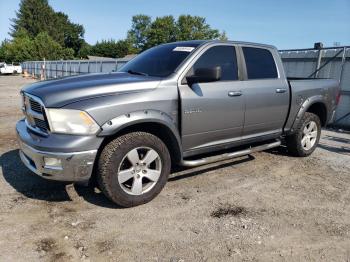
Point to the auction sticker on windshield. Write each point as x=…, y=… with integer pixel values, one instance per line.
x=183, y=48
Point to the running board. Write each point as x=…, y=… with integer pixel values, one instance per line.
x=226, y=156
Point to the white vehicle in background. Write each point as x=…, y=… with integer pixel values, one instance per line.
x=10, y=69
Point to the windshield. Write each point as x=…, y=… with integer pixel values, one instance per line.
x=160, y=61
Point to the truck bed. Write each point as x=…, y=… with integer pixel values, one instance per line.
x=302, y=89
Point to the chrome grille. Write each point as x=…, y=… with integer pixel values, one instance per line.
x=35, y=114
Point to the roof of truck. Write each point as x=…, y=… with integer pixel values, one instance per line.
x=200, y=42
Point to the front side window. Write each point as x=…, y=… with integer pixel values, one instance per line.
x=260, y=63
x=223, y=56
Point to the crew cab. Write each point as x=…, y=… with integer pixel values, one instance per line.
x=179, y=103
x=10, y=68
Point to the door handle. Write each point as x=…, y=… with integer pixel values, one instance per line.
x=281, y=90
x=234, y=93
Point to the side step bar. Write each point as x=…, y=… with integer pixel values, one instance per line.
x=226, y=156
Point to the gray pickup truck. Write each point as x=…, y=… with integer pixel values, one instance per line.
x=185, y=103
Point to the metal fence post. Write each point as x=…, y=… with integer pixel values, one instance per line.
x=343, y=58
x=318, y=64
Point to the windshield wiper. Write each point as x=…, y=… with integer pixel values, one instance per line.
x=137, y=73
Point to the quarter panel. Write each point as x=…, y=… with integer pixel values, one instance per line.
x=307, y=92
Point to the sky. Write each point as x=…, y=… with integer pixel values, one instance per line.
x=285, y=24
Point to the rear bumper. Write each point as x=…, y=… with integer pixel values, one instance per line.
x=73, y=167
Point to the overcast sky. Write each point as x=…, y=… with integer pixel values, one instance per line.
x=285, y=24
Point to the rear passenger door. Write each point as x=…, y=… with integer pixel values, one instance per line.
x=266, y=93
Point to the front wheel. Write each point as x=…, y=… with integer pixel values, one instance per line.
x=306, y=137
x=133, y=168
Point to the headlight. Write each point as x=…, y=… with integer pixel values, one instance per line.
x=69, y=121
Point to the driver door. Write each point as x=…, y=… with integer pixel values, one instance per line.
x=212, y=113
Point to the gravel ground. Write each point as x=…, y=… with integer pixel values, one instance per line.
x=264, y=207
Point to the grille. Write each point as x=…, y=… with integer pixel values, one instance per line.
x=35, y=114
x=41, y=124
x=35, y=106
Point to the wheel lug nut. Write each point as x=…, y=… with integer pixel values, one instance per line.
x=144, y=171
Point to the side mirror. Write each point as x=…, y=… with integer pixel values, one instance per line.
x=204, y=75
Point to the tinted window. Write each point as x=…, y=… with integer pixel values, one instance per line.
x=260, y=63
x=161, y=60
x=223, y=56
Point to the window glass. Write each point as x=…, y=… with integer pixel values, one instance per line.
x=260, y=63
x=160, y=61
x=223, y=56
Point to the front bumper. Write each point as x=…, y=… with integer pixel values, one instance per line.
x=74, y=166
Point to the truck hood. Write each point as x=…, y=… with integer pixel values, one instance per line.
x=60, y=92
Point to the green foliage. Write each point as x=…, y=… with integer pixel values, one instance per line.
x=45, y=47
x=162, y=30
x=36, y=16
x=138, y=34
x=84, y=51
x=145, y=33
x=24, y=48
x=111, y=48
x=195, y=28
x=20, y=49
x=39, y=32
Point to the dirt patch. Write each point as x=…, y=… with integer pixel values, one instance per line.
x=229, y=210
x=104, y=246
x=46, y=245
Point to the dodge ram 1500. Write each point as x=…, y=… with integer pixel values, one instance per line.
x=174, y=104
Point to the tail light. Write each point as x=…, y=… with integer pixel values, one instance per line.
x=337, y=99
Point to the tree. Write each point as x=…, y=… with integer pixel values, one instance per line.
x=195, y=28
x=24, y=48
x=20, y=49
x=145, y=33
x=45, y=47
x=68, y=34
x=36, y=16
x=39, y=32
x=84, y=51
x=138, y=34
x=162, y=30
x=111, y=48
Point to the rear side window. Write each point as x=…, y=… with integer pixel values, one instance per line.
x=260, y=63
x=223, y=56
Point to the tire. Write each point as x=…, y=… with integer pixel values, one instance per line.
x=305, y=139
x=129, y=157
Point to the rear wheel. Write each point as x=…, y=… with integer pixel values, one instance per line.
x=306, y=137
x=133, y=168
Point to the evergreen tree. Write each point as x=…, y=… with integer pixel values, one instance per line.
x=37, y=16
